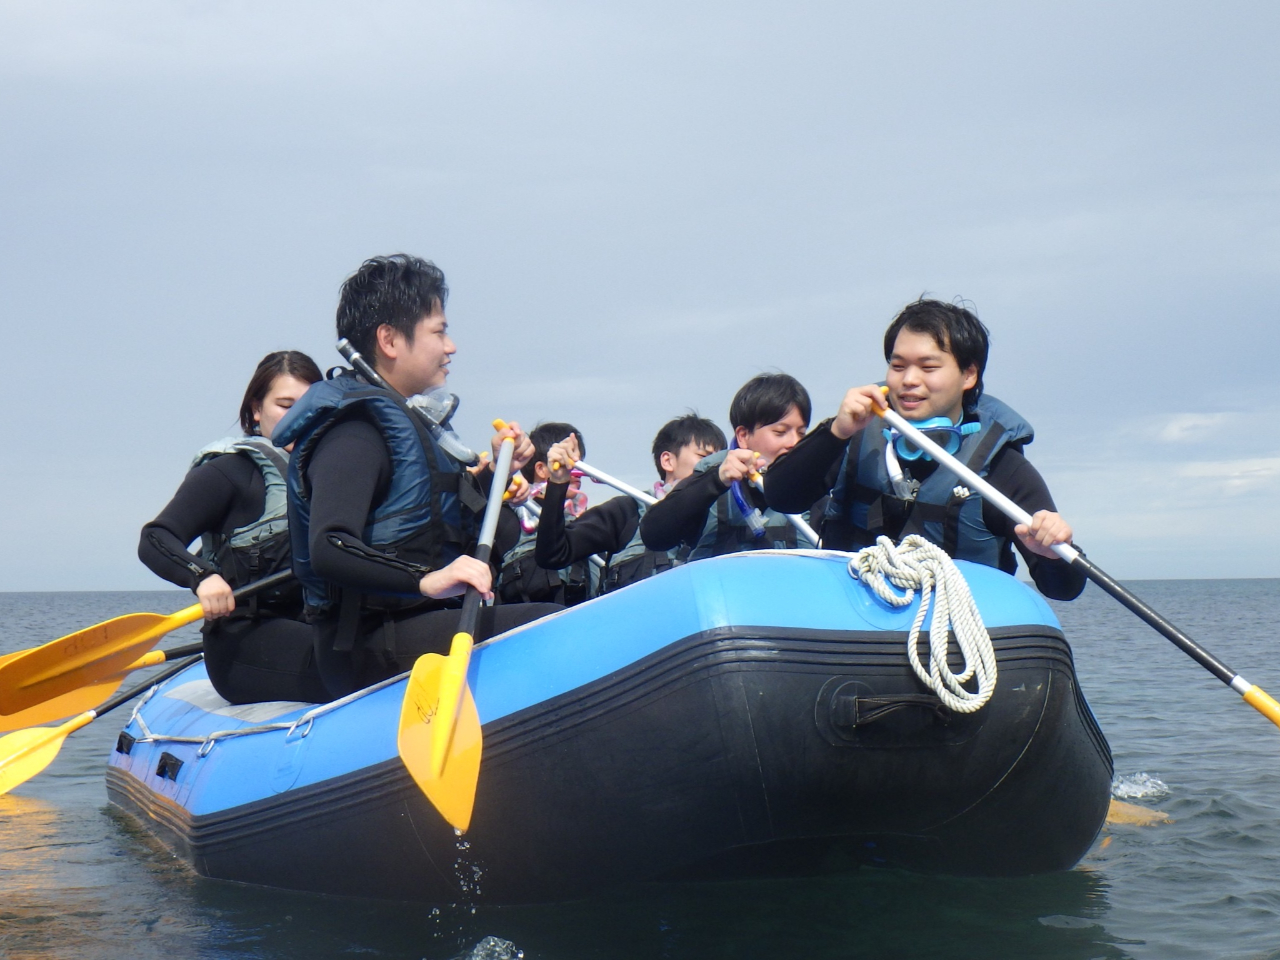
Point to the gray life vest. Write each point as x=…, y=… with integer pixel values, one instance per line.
x=261, y=547
x=636, y=562
x=943, y=511
x=726, y=530
x=521, y=580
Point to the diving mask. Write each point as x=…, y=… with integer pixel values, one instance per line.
x=938, y=429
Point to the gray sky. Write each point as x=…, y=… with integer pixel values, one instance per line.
x=637, y=209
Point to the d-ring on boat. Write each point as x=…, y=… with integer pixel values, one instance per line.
x=748, y=714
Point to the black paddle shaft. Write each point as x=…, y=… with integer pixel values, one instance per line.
x=160, y=677
x=266, y=583
x=1155, y=621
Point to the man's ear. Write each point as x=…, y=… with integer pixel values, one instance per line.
x=386, y=340
x=971, y=376
x=540, y=472
x=667, y=460
x=741, y=434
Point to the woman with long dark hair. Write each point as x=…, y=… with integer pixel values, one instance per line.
x=233, y=500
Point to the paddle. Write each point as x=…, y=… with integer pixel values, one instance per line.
x=27, y=752
x=89, y=696
x=439, y=738
x=94, y=653
x=1253, y=695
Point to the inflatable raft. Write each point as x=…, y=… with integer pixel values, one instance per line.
x=750, y=714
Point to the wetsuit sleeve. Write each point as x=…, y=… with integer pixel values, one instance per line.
x=681, y=516
x=349, y=474
x=1014, y=476
x=211, y=495
x=803, y=475
x=605, y=529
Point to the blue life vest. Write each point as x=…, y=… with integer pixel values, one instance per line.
x=428, y=516
x=943, y=511
x=726, y=530
x=261, y=547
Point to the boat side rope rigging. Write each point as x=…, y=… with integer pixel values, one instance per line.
x=916, y=564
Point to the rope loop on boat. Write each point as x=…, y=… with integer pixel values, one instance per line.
x=916, y=564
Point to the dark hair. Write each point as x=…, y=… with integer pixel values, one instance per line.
x=766, y=399
x=398, y=290
x=677, y=434
x=544, y=435
x=282, y=363
x=953, y=328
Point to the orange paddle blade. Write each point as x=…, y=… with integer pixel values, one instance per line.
x=84, y=657
x=27, y=752
x=453, y=791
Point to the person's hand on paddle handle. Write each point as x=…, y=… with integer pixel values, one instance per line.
x=739, y=465
x=215, y=596
x=1047, y=528
x=523, y=451
x=561, y=458
x=453, y=580
x=857, y=409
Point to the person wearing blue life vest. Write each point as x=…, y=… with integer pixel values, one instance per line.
x=384, y=513
x=611, y=530
x=717, y=510
x=937, y=353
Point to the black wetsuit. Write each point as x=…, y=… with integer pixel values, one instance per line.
x=680, y=518
x=806, y=471
x=263, y=650
x=348, y=476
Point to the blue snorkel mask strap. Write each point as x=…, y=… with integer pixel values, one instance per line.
x=754, y=518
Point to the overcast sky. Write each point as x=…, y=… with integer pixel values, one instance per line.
x=637, y=208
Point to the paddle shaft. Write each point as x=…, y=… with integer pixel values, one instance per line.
x=1254, y=695
x=160, y=677
x=488, y=528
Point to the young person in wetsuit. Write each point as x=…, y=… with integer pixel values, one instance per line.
x=612, y=529
x=717, y=510
x=522, y=579
x=233, y=498
x=937, y=353
x=384, y=518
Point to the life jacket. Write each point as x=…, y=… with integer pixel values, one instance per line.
x=942, y=510
x=428, y=516
x=726, y=530
x=523, y=581
x=636, y=562
x=260, y=548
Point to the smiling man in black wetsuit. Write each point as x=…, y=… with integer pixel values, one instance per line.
x=937, y=353
x=383, y=518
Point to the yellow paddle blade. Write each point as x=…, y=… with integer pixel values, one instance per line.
x=453, y=790
x=59, y=708
x=1131, y=813
x=27, y=752
x=451, y=684
x=84, y=657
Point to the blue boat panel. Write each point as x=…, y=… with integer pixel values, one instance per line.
x=536, y=663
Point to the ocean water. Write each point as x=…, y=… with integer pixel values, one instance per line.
x=77, y=881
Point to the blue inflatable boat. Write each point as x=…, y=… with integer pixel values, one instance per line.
x=750, y=714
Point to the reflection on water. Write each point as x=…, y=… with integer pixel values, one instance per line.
x=79, y=882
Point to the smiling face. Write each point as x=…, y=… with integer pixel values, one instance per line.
x=419, y=363
x=924, y=379
x=283, y=393
x=772, y=440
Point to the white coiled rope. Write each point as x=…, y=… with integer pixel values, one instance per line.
x=916, y=564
